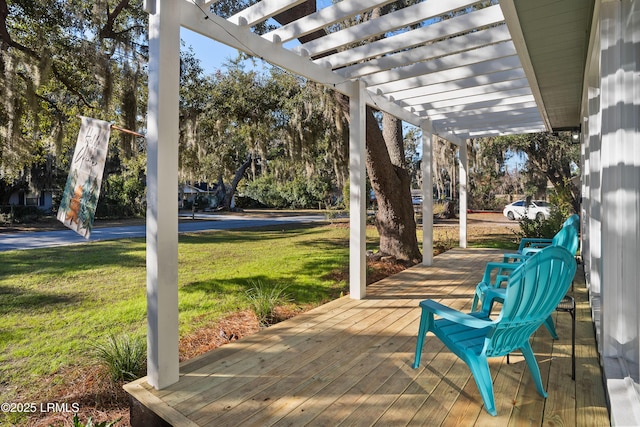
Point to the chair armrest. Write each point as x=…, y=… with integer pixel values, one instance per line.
x=531, y=250
x=539, y=245
x=514, y=258
x=528, y=241
x=491, y=296
x=486, y=278
x=454, y=315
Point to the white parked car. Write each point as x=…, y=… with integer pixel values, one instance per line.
x=537, y=209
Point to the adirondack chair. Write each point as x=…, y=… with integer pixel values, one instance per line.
x=567, y=238
x=530, y=245
x=533, y=291
x=492, y=291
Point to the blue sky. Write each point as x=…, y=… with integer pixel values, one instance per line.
x=210, y=53
x=213, y=54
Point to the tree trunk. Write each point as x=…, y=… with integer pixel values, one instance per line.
x=391, y=184
x=228, y=195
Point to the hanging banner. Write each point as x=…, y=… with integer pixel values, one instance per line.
x=80, y=196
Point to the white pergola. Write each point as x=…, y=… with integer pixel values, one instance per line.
x=511, y=67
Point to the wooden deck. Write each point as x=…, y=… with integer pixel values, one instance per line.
x=348, y=362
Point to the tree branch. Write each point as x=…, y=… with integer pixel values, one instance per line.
x=8, y=41
x=6, y=37
x=107, y=32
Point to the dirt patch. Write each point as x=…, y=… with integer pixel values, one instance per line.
x=231, y=328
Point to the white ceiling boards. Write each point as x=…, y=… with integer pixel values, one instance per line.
x=461, y=65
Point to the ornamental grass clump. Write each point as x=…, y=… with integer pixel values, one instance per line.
x=90, y=423
x=264, y=299
x=123, y=357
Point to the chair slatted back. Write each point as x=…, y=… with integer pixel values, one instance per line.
x=533, y=292
x=567, y=237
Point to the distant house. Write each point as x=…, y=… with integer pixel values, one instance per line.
x=203, y=192
x=42, y=199
x=188, y=194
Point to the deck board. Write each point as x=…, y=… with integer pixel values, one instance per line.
x=349, y=363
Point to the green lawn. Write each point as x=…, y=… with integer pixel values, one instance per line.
x=55, y=302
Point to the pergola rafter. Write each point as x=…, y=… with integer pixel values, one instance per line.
x=443, y=50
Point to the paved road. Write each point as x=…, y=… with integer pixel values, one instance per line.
x=44, y=239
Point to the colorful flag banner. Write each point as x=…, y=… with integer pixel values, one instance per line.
x=80, y=196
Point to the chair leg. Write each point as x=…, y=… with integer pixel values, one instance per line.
x=573, y=343
x=481, y=374
x=551, y=327
x=476, y=299
x=421, y=334
x=568, y=305
x=533, y=368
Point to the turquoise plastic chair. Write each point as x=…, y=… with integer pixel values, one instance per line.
x=533, y=291
x=531, y=245
x=567, y=238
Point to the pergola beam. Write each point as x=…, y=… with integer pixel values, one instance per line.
x=322, y=19
x=375, y=27
x=481, y=105
x=262, y=11
x=449, y=71
x=488, y=97
x=223, y=31
x=486, y=90
x=480, y=80
x=426, y=38
x=479, y=113
x=498, y=50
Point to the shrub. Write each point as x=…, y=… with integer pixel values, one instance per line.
x=123, y=192
x=20, y=214
x=264, y=299
x=124, y=357
x=542, y=228
x=293, y=194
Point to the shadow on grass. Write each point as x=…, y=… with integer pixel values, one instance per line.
x=295, y=291
x=255, y=234
x=57, y=261
x=13, y=299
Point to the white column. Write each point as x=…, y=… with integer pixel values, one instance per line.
x=462, y=194
x=593, y=196
x=620, y=177
x=357, y=193
x=162, y=193
x=426, y=166
x=620, y=192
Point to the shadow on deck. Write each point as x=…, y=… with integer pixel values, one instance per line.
x=348, y=362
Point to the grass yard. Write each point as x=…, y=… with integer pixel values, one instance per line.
x=55, y=303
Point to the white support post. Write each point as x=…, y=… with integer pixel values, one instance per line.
x=357, y=193
x=620, y=194
x=162, y=194
x=426, y=166
x=462, y=194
